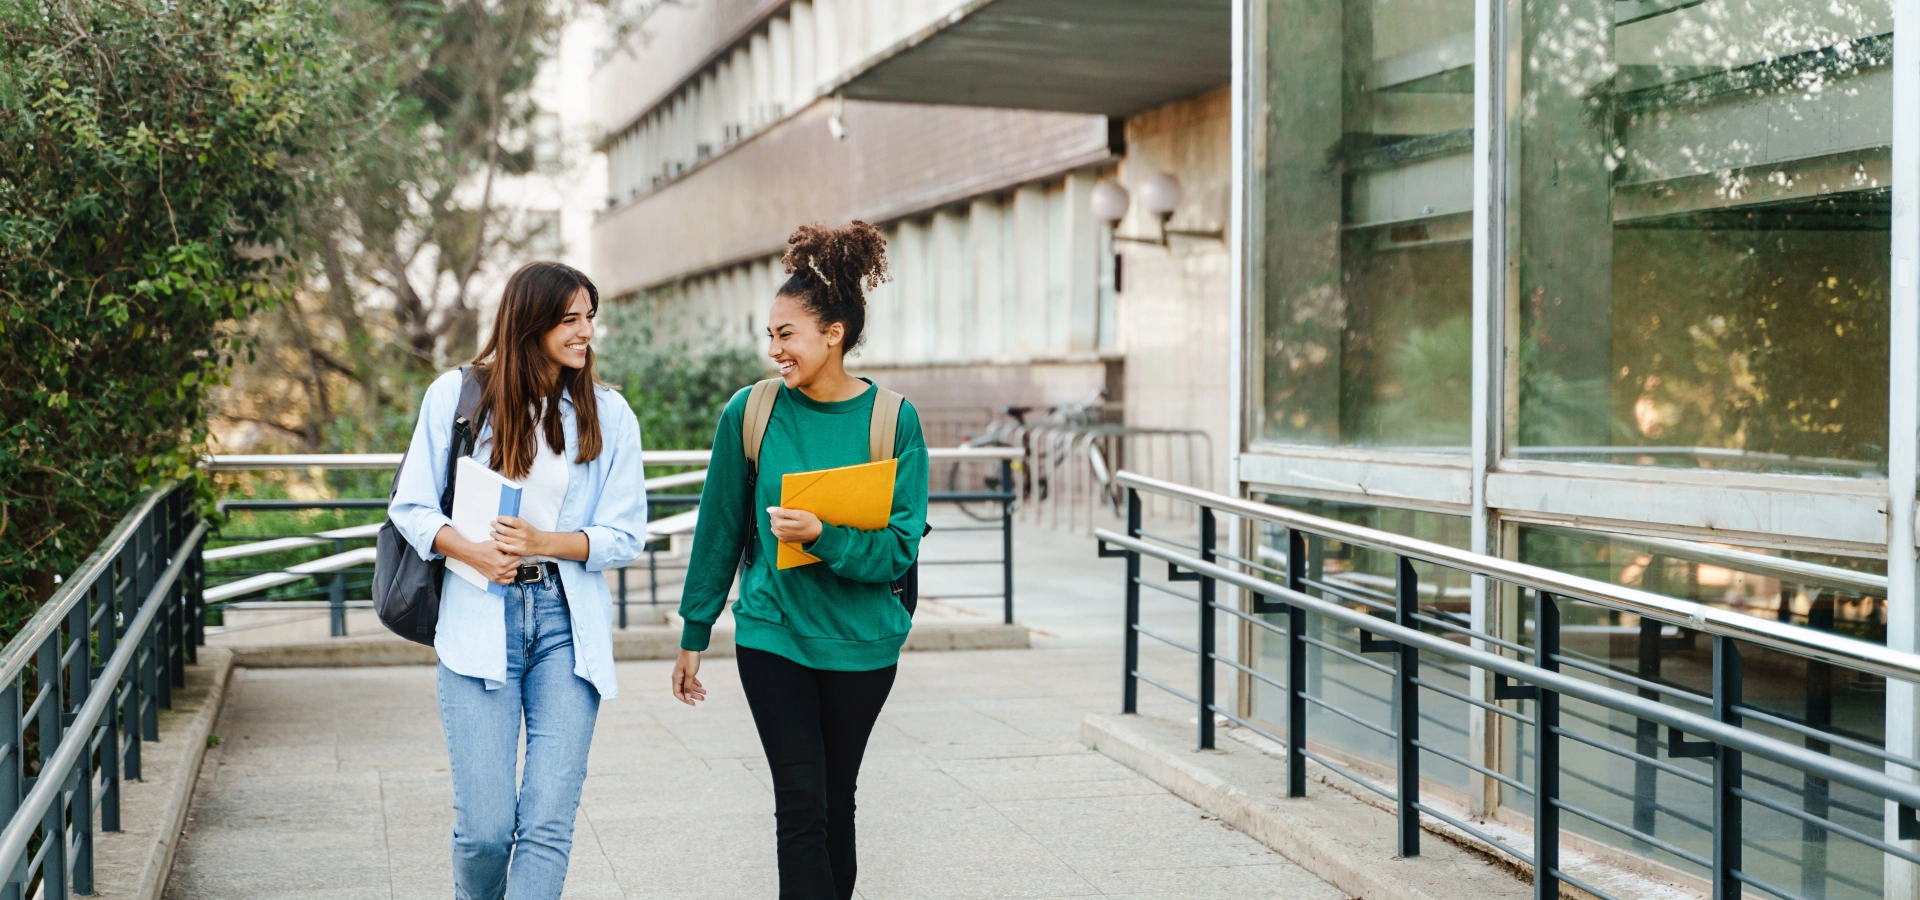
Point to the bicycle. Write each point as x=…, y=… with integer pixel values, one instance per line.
x=1031, y=482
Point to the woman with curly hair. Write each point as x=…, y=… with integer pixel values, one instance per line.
x=817, y=645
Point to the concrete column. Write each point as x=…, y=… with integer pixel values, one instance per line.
x=916, y=295
x=952, y=282
x=1059, y=311
x=760, y=63
x=985, y=333
x=1029, y=327
x=1081, y=233
x=878, y=26
x=885, y=310
x=710, y=116
x=679, y=134
x=779, y=67
x=828, y=32
x=914, y=15
x=742, y=92
x=806, y=48
x=1007, y=243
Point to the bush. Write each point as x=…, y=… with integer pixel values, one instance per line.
x=149, y=157
x=675, y=388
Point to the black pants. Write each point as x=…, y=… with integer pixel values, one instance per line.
x=814, y=726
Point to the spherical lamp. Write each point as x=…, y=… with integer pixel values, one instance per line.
x=1110, y=201
x=1160, y=195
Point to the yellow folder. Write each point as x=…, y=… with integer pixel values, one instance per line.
x=854, y=496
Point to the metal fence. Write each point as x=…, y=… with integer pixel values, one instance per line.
x=348, y=569
x=1063, y=472
x=82, y=685
x=1390, y=632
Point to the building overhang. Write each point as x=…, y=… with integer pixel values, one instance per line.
x=1111, y=57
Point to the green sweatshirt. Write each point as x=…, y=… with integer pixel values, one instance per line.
x=839, y=613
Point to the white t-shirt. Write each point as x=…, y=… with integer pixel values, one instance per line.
x=543, y=490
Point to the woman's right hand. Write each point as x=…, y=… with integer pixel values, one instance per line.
x=686, y=684
x=486, y=557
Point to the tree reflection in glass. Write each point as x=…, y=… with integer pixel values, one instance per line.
x=1366, y=173
x=1701, y=233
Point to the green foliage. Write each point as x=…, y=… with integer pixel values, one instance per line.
x=400, y=252
x=1430, y=370
x=149, y=157
x=677, y=390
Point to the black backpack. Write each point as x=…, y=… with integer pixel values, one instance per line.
x=880, y=434
x=406, y=588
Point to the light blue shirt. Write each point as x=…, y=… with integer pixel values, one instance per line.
x=606, y=499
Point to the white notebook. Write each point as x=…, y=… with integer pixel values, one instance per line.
x=480, y=495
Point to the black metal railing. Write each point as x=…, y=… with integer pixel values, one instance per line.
x=82, y=685
x=1394, y=632
x=336, y=580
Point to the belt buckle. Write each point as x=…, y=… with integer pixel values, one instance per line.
x=529, y=574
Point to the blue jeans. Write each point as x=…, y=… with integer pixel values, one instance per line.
x=493, y=824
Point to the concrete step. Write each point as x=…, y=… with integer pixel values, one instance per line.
x=1349, y=841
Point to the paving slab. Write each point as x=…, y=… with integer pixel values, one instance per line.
x=332, y=783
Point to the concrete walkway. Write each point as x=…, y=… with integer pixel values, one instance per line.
x=332, y=783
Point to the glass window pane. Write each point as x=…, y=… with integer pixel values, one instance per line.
x=1365, y=205
x=1701, y=233
x=1817, y=591
x=1363, y=579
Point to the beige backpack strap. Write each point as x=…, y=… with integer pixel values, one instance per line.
x=753, y=425
x=886, y=422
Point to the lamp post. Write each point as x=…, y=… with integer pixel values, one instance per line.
x=1160, y=195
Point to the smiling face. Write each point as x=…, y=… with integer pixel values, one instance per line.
x=566, y=344
x=798, y=345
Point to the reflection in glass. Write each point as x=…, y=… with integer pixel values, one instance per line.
x=1366, y=177
x=1701, y=233
x=1830, y=593
x=1363, y=579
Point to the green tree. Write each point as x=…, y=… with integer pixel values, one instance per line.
x=396, y=253
x=150, y=158
x=676, y=389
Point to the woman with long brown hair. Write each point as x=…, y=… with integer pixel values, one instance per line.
x=536, y=647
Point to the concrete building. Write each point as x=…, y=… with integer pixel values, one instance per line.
x=727, y=124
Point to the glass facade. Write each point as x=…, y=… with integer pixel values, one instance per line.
x=1687, y=264
x=1699, y=227
x=1338, y=675
x=1366, y=171
x=1821, y=591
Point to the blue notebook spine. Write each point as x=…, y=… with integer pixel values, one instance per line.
x=509, y=506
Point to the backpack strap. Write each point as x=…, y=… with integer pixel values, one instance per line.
x=465, y=432
x=886, y=423
x=753, y=425
x=471, y=391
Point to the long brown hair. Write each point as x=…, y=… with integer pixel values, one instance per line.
x=516, y=373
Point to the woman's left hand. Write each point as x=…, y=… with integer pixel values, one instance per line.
x=515, y=536
x=793, y=526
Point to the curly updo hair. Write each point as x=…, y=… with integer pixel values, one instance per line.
x=830, y=271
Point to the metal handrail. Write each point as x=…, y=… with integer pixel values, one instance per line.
x=1717, y=735
x=1820, y=645
x=135, y=602
x=25, y=645
x=233, y=462
x=1873, y=781
x=53, y=774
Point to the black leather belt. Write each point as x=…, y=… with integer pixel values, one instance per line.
x=534, y=573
